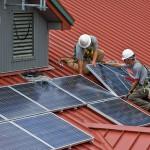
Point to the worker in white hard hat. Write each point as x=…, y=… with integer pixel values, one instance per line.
x=86, y=51
x=139, y=91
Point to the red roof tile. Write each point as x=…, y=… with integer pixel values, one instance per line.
x=116, y=24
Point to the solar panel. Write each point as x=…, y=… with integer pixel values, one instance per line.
x=115, y=79
x=1, y=119
x=14, y=105
x=48, y=95
x=83, y=88
x=13, y=138
x=53, y=130
x=121, y=112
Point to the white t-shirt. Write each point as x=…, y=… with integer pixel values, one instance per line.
x=138, y=71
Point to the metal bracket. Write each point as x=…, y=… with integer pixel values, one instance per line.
x=42, y=5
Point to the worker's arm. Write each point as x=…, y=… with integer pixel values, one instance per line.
x=115, y=64
x=80, y=66
x=134, y=84
x=94, y=58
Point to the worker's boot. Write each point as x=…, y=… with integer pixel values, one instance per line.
x=146, y=107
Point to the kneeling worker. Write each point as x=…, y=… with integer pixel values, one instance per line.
x=85, y=52
x=139, y=91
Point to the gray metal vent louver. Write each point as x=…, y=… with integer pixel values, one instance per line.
x=23, y=36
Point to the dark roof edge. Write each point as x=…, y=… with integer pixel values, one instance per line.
x=63, y=11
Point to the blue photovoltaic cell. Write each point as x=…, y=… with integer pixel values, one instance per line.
x=14, y=105
x=120, y=71
x=13, y=138
x=113, y=78
x=53, y=130
x=83, y=88
x=48, y=95
x=122, y=112
x=1, y=119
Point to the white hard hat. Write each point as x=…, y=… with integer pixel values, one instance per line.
x=84, y=41
x=127, y=53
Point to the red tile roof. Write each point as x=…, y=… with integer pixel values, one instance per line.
x=117, y=25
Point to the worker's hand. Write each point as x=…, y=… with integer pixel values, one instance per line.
x=94, y=63
x=127, y=95
x=103, y=62
x=108, y=63
x=130, y=92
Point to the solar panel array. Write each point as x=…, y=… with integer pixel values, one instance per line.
x=42, y=131
x=53, y=130
x=103, y=102
x=114, y=79
x=13, y=138
x=27, y=118
x=120, y=112
x=83, y=88
x=48, y=95
x=14, y=105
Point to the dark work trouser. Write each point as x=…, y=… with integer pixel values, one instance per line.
x=139, y=96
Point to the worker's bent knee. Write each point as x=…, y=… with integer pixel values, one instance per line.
x=86, y=71
x=100, y=55
x=131, y=97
